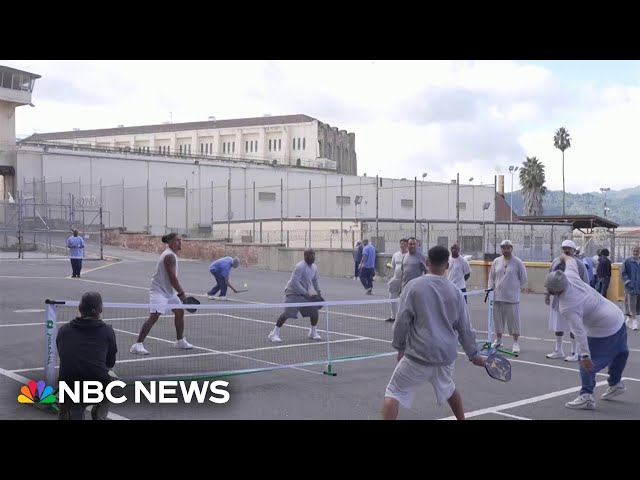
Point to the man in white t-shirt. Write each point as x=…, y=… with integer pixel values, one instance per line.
x=600, y=331
x=395, y=284
x=459, y=269
x=165, y=290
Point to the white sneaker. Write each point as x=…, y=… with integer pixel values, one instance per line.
x=139, y=349
x=584, y=401
x=634, y=325
x=314, y=335
x=556, y=354
x=211, y=297
x=496, y=344
x=223, y=299
x=571, y=358
x=274, y=337
x=516, y=347
x=182, y=343
x=614, y=391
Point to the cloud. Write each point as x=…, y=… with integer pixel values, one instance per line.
x=441, y=117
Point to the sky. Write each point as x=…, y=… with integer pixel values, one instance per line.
x=472, y=118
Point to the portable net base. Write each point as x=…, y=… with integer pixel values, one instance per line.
x=234, y=339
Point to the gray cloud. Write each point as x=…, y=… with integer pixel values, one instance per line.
x=438, y=104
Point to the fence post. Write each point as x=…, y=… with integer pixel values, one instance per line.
x=377, y=185
x=341, y=208
x=166, y=208
x=101, y=235
x=415, y=207
x=309, y=213
x=211, y=208
x=281, y=209
x=186, y=207
x=253, y=233
x=123, y=204
x=148, y=207
x=229, y=208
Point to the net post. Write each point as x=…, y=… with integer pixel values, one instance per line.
x=329, y=370
x=51, y=354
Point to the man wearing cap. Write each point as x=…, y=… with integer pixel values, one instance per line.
x=506, y=277
x=576, y=268
x=221, y=270
x=601, y=335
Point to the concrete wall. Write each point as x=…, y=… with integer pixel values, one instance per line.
x=102, y=175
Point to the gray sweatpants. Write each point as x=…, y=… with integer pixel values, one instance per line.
x=506, y=314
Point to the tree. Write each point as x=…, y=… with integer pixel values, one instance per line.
x=562, y=141
x=532, y=179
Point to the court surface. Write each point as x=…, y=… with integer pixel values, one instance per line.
x=538, y=389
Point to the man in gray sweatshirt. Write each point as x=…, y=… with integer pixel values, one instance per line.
x=432, y=318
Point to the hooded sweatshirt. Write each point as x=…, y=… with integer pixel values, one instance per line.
x=87, y=350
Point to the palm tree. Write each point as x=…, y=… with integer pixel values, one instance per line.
x=532, y=179
x=562, y=141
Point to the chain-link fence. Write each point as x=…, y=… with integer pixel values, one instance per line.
x=37, y=224
x=191, y=206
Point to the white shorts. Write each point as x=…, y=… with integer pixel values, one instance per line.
x=159, y=298
x=409, y=376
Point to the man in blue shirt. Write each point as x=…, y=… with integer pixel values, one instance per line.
x=221, y=270
x=367, y=266
x=75, y=244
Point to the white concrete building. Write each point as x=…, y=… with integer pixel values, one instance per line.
x=297, y=140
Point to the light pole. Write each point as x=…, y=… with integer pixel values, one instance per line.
x=604, y=191
x=512, y=170
x=485, y=207
x=424, y=175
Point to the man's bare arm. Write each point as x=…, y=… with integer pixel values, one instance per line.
x=170, y=265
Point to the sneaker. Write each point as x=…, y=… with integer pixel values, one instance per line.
x=139, y=349
x=516, y=347
x=556, y=354
x=223, y=299
x=369, y=291
x=211, y=297
x=390, y=320
x=584, y=401
x=182, y=343
x=614, y=391
x=314, y=335
x=496, y=344
x=274, y=337
x=634, y=325
x=571, y=358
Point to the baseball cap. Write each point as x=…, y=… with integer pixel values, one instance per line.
x=569, y=244
x=506, y=243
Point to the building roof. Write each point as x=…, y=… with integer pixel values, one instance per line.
x=20, y=72
x=173, y=127
x=503, y=210
x=578, y=221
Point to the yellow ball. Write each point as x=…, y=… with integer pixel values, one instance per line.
x=245, y=285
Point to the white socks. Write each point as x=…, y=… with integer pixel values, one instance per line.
x=558, y=343
x=276, y=330
x=573, y=346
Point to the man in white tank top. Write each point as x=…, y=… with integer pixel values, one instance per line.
x=165, y=290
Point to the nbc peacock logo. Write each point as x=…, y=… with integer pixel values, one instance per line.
x=44, y=393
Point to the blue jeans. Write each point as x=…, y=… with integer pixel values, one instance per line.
x=221, y=285
x=76, y=266
x=611, y=352
x=603, y=285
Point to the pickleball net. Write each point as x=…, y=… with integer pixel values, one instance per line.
x=231, y=339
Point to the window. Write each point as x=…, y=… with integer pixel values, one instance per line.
x=189, y=149
x=256, y=145
x=246, y=146
x=304, y=143
x=294, y=143
x=269, y=145
x=224, y=147
x=279, y=144
x=202, y=148
x=233, y=147
x=211, y=148
x=298, y=143
x=266, y=196
x=180, y=149
x=406, y=203
x=175, y=192
x=343, y=200
x=471, y=243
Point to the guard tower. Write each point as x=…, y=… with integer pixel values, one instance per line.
x=16, y=88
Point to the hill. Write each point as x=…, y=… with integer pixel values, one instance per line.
x=624, y=204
